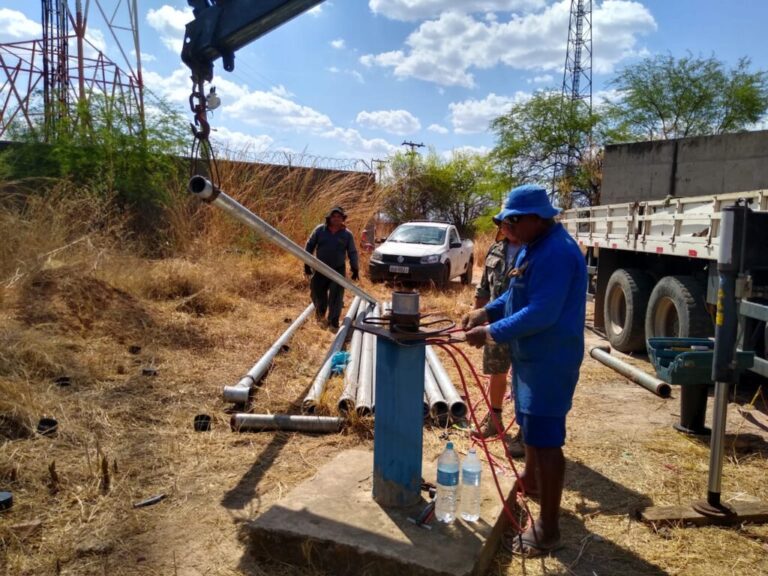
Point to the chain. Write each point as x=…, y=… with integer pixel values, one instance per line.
x=202, y=151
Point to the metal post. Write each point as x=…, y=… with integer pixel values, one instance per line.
x=732, y=223
x=397, y=443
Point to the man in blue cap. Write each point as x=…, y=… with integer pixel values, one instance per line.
x=541, y=316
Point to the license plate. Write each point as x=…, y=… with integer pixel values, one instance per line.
x=399, y=269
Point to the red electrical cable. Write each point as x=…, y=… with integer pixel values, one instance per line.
x=452, y=350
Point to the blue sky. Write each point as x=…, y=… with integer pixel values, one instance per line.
x=355, y=78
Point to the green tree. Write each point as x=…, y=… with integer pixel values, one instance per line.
x=456, y=190
x=100, y=147
x=664, y=97
x=536, y=135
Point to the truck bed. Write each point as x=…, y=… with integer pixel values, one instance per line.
x=686, y=227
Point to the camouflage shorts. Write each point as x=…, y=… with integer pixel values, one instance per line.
x=496, y=359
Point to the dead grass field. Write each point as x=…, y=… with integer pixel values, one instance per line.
x=201, y=321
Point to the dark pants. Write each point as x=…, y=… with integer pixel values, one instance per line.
x=327, y=296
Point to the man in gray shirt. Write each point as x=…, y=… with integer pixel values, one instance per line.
x=333, y=243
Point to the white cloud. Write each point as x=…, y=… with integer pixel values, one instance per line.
x=338, y=44
x=359, y=147
x=422, y=9
x=353, y=73
x=542, y=79
x=169, y=23
x=14, y=25
x=446, y=49
x=393, y=121
x=466, y=150
x=473, y=116
x=237, y=143
x=438, y=129
x=316, y=10
x=275, y=109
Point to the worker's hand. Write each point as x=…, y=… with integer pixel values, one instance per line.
x=477, y=337
x=475, y=318
x=355, y=274
x=307, y=270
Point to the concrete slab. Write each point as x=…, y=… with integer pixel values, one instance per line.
x=331, y=522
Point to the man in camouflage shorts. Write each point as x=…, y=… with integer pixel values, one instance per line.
x=496, y=360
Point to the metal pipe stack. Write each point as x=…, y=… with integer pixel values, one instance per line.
x=456, y=406
x=366, y=387
x=318, y=385
x=351, y=374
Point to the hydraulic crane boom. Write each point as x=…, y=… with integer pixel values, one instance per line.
x=221, y=27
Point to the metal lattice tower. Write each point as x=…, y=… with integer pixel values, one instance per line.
x=577, y=76
x=42, y=81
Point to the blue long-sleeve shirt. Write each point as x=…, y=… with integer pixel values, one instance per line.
x=541, y=315
x=333, y=247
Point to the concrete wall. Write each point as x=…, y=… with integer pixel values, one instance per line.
x=685, y=167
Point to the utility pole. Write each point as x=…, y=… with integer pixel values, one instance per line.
x=412, y=146
x=411, y=202
x=378, y=165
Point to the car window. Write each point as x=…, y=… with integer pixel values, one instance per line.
x=454, y=236
x=415, y=234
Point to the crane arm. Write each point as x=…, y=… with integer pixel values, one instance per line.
x=221, y=27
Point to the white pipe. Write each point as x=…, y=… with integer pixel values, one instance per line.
x=318, y=385
x=365, y=390
x=456, y=405
x=438, y=407
x=203, y=189
x=240, y=392
x=288, y=422
x=352, y=373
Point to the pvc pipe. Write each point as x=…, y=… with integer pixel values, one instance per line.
x=456, y=406
x=351, y=374
x=203, y=189
x=365, y=386
x=318, y=385
x=437, y=406
x=287, y=422
x=240, y=392
x=659, y=387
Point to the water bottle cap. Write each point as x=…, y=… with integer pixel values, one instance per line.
x=449, y=446
x=472, y=450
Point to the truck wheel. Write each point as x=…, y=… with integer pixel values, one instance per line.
x=445, y=276
x=677, y=309
x=626, y=299
x=466, y=278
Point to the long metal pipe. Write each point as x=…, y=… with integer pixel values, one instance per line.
x=318, y=385
x=241, y=391
x=351, y=374
x=456, y=406
x=603, y=354
x=287, y=422
x=438, y=407
x=203, y=189
x=365, y=386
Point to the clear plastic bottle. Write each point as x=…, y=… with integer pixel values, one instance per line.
x=471, y=469
x=447, y=484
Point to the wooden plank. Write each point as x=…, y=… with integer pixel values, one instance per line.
x=753, y=512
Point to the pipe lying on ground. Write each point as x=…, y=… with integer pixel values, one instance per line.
x=287, y=422
x=240, y=392
x=203, y=189
x=367, y=376
x=351, y=374
x=438, y=407
x=318, y=385
x=456, y=406
x=603, y=354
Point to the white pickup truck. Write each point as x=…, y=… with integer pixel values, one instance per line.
x=423, y=252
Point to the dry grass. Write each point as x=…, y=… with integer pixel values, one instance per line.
x=201, y=318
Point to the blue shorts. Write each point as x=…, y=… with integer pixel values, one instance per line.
x=542, y=431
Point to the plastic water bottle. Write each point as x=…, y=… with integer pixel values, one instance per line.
x=470, y=487
x=447, y=484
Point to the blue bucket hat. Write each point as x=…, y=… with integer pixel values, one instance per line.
x=527, y=199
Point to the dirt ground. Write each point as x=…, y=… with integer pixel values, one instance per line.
x=134, y=433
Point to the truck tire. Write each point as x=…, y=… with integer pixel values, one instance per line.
x=445, y=275
x=626, y=299
x=677, y=309
x=466, y=278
